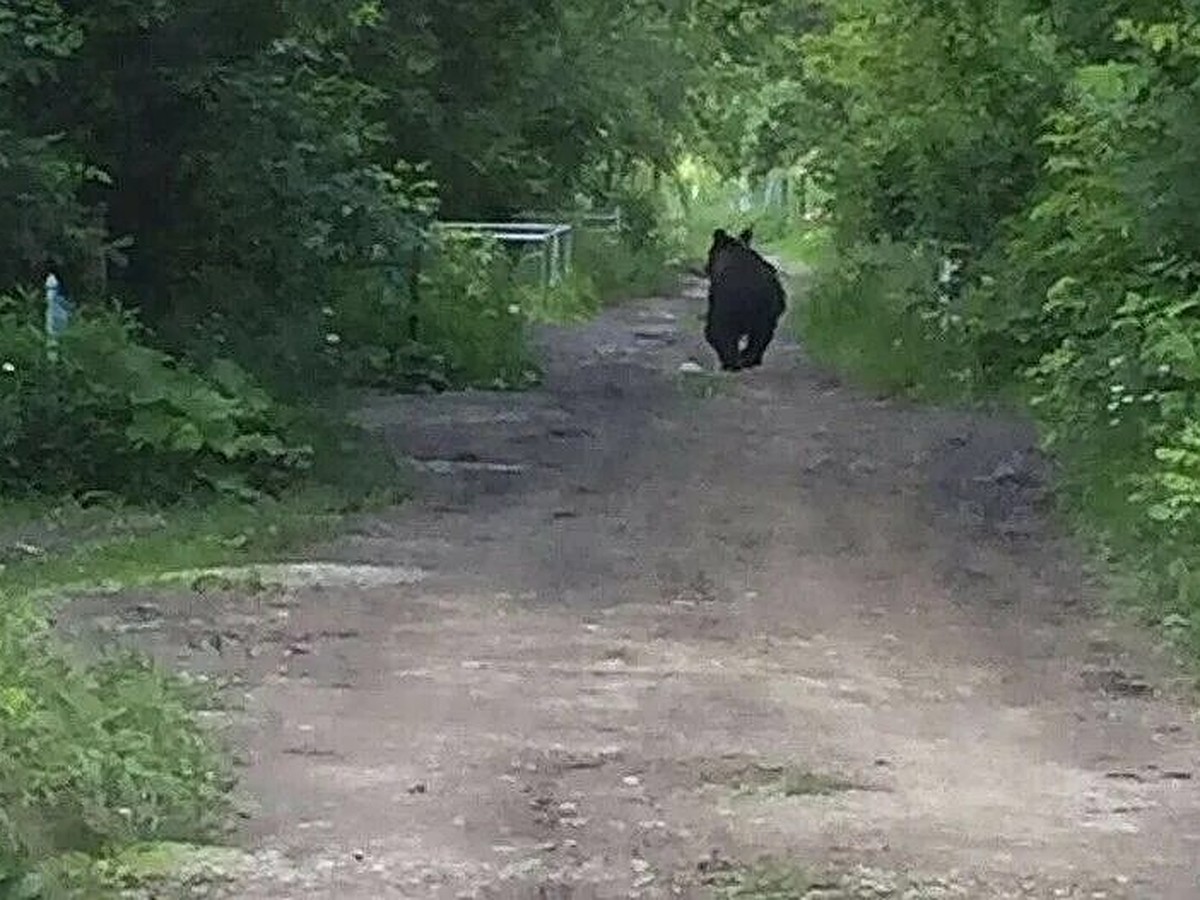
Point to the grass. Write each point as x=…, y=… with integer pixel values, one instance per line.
x=766, y=881
x=162, y=869
x=803, y=783
x=115, y=548
x=94, y=757
x=795, y=781
x=810, y=247
x=97, y=757
x=781, y=780
x=48, y=547
x=867, y=313
x=147, y=870
x=771, y=879
x=574, y=299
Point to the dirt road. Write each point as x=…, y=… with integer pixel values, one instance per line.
x=640, y=627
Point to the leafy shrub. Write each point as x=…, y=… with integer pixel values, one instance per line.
x=879, y=311
x=1065, y=158
x=459, y=325
x=113, y=414
x=93, y=756
x=470, y=317
x=620, y=266
x=574, y=298
x=463, y=319
x=1111, y=306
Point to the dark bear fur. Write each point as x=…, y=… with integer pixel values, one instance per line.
x=745, y=300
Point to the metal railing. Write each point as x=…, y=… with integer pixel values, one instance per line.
x=604, y=221
x=552, y=232
x=556, y=240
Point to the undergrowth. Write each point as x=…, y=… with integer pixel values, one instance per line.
x=99, y=756
x=95, y=756
x=107, y=412
x=874, y=310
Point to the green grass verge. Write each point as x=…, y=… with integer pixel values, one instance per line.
x=808, y=247
x=48, y=546
x=162, y=870
x=99, y=757
x=865, y=312
x=778, y=880
x=117, y=547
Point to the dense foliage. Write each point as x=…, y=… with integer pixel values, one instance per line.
x=199, y=159
x=150, y=427
x=1015, y=193
x=257, y=186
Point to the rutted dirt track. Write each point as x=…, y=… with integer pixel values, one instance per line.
x=640, y=624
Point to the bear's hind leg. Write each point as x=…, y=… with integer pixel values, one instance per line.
x=760, y=339
x=726, y=347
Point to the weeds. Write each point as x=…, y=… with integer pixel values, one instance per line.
x=876, y=312
x=766, y=881
x=803, y=783
x=93, y=756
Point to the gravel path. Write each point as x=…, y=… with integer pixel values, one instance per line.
x=642, y=627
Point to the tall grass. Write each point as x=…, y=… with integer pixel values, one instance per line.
x=874, y=312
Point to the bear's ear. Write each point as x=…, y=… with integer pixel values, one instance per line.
x=746, y=236
x=720, y=236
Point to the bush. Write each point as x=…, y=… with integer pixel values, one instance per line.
x=464, y=323
x=878, y=310
x=459, y=325
x=1061, y=149
x=95, y=756
x=469, y=317
x=1111, y=308
x=112, y=414
x=618, y=266
x=575, y=298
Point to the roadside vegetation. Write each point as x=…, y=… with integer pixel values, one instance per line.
x=992, y=204
x=998, y=208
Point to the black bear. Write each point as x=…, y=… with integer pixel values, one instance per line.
x=745, y=300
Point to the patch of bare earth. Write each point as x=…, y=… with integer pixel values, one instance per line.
x=666, y=627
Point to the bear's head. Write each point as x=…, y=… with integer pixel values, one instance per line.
x=722, y=243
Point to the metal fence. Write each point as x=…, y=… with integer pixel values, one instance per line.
x=552, y=237
x=602, y=221
x=554, y=241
